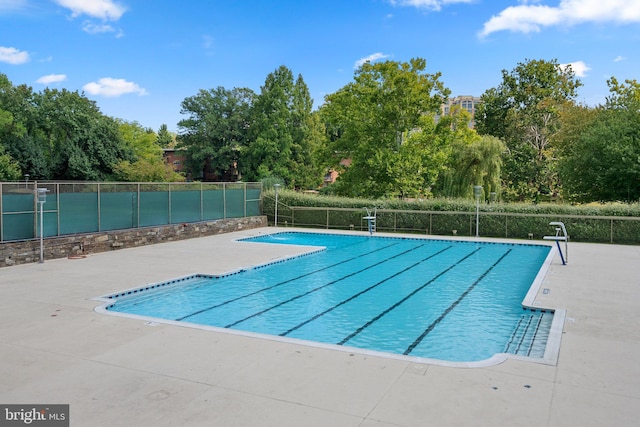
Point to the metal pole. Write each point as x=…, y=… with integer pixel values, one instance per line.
x=276, y=213
x=41, y=194
x=477, y=216
x=41, y=234
x=477, y=191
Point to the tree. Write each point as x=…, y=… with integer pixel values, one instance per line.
x=148, y=164
x=215, y=133
x=165, y=138
x=600, y=160
x=370, y=122
x=19, y=112
x=78, y=140
x=468, y=159
x=524, y=112
x=283, y=133
x=58, y=134
x=475, y=163
x=308, y=138
x=9, y=168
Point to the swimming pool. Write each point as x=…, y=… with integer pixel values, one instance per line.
x=456, y=301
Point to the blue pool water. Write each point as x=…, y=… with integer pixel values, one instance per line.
x=439, y=299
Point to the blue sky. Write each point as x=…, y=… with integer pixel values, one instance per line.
x=139, y=59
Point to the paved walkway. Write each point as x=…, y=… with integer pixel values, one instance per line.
x=113, y=371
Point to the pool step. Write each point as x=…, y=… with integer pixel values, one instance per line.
x=529, y=337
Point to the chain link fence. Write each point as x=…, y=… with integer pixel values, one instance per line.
x=584, y=228
x=85, y=207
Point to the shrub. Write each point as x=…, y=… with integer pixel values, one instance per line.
x=600, y=223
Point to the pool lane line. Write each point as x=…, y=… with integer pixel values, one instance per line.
x=284, y=282
x=415, y=291
x=323, y=286
x=311, y=319
x=452, y=306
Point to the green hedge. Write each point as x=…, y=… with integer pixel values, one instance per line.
x=606, y=223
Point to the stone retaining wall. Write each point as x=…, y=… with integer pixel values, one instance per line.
x=22, y=252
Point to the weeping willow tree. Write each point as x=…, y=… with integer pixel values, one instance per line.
x=474, y=163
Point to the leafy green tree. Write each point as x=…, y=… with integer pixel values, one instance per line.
x=80, y=142
x=58, y=134
x=601, y=161
x=165, y=138
x=9, y=168
x=524, y=112
x=19, y=112
x=370, y=121
x=468, y=159
x=475, y=163
x=143, y=141
x=624, y=96
x=215, y=133
x=149, y=165
x=308, y=138
x=283, y=134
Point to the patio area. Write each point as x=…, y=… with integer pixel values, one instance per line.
x=54, y=348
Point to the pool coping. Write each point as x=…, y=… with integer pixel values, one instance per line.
x=552, y=347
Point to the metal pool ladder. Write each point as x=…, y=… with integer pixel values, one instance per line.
x=371, y=219
x=561, y=236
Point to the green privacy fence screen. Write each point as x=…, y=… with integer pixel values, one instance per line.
x=85, y=207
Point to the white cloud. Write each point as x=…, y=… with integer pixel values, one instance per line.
x=91, y=28
x=578, y=67
x=370, y=58
x=528, y=18
x=107, y=10
x=110, y=87
x=427, y=4
x=7, y=6
x=13, y=56
x=52, y=78
x=619, y=58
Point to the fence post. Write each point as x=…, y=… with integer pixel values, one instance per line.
x=35, y=210
x=506, y=228
x=611, y=234
x=99, y=211
x=1, y=216
x=138, y=206
x=58, y=207
x=169, y=202
x=224, y=200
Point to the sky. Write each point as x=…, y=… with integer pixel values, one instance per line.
x=139, y=59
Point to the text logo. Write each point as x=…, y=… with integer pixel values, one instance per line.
x=34, y=415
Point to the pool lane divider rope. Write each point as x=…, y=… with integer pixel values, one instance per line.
x=415, y=291
x=452, y=306
x=283, y=283
x=354, y=296
x=323, y=286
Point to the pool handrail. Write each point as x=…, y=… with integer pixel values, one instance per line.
x=564, y=237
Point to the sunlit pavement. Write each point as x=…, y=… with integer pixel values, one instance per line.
x=54, y=348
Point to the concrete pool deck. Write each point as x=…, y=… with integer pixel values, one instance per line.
x=54, y=348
